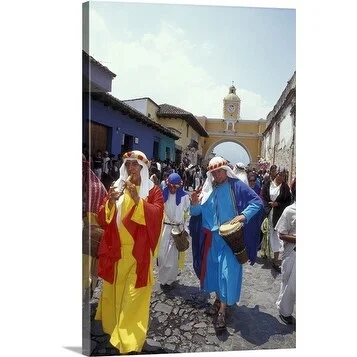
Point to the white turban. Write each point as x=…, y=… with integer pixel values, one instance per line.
x=239, y=170
x=146, y=184
x=216, y=163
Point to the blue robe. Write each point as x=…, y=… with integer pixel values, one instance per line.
x=223, y=273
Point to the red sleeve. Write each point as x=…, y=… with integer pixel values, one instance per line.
x=109, y=247
x=101, y=213
x=154, y=213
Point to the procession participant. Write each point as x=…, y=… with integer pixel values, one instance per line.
x=223, y=198
x=132, y=219
x=276, y=197
x=93, y=194
x=286, y=228
x=98, y=164
x=239, y=170
x=177, y=205
x=253, y=183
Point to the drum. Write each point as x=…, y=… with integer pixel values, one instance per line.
x=91, y=237
x=180, y=238
x=233, y=234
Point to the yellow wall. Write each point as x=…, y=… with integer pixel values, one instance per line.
x=247, y=134
x=181, y=125
x=152, y=109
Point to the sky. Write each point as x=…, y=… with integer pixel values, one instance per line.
x=189, y=55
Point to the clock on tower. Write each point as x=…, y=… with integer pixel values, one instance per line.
x=231, y=107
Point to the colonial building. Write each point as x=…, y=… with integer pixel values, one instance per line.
x=279, y=139
x=185, y=125
x=231, y=128
x=190, y=131
x=112, y=125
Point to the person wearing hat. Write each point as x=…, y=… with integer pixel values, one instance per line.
x=224, y=198
x=239, y=170
x=131, y=216
x=177, y=206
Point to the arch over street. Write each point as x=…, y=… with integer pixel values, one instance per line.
x=226, y=140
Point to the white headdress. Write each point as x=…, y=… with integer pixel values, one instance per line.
x=239, y=170
x=216, y=163
x=146, y=184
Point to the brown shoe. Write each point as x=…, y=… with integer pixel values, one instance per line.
x=221, y=321
x=213, y=309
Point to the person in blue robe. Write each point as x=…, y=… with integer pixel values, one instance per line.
x=224, y=198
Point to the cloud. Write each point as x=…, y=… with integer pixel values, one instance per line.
x=159, y=65
x=207, y=48
x=253, y=105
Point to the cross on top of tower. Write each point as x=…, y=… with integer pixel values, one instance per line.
x=232, y=88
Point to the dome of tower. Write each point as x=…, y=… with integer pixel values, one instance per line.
x=232, y=94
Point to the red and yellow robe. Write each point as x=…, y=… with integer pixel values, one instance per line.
x=125, y=264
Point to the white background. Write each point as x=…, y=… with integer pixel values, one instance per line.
x=41, y=176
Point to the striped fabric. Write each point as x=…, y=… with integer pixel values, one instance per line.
x=94, y=191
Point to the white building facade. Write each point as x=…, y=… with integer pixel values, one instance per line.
x=279, y=138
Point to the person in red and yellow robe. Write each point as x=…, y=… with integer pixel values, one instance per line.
x=132, y=216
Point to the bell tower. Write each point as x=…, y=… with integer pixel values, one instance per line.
x=231, y=108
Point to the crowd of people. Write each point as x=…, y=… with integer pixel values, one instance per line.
x=152, y=209
x=106, y=167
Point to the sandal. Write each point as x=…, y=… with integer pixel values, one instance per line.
x=221, y=321
x=213, y=309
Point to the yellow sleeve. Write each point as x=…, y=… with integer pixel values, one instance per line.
x=138, y=215
x=109, y=213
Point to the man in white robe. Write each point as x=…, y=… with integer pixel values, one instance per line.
x=177, y=205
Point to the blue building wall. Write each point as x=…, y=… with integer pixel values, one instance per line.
x=166, y=142
x=120, y=124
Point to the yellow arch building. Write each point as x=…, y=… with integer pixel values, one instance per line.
x=246, y=133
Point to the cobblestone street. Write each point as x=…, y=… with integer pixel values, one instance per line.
x=178, y=322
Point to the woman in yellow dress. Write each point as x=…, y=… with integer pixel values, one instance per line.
x=132, y=218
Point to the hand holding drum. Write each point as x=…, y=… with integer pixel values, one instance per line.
x=233, y=234
x=240, y=218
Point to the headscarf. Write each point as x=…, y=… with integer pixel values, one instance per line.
x=174, y=179
x=216, y=163
x=146, y=184
x=239, y=170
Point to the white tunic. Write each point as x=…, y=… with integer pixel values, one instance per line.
x=275, y=243
x=168, y=256
x=287, y=295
